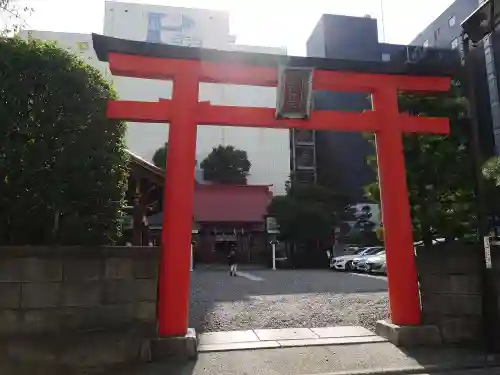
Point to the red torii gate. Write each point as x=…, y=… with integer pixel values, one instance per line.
x=187, y=67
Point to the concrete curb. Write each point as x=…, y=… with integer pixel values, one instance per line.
x=484, y=363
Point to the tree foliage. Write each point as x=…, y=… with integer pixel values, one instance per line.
x=439, y=170
x=363, y=230
x=160, y=157
x=491, y=174
x=226, y=165
x=12, y=17
x=491, y=170
x=307, y=214
x=63, y=162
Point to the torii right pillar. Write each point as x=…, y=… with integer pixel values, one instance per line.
x=398, y=236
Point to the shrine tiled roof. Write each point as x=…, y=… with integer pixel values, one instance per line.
x=226, y=204
x=231, y=203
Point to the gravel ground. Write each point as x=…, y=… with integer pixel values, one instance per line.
x=285, y=299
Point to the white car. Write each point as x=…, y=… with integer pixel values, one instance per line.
x=346, y=262
x=374, y=263
x=368, y=252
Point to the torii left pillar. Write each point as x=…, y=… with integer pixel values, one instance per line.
x=178, y=200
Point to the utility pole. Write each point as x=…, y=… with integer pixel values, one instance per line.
x=382, y=19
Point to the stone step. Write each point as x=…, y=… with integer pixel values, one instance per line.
x=284, y=338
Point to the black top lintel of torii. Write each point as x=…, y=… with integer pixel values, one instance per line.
x=436, y=62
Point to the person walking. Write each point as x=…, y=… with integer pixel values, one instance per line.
x=233, y=266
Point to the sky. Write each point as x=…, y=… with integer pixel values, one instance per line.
x=257, y=22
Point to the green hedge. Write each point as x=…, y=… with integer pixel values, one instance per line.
x=63, y=166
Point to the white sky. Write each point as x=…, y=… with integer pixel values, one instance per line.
x=256, y=22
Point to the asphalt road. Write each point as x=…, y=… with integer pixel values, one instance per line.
x=285, y=298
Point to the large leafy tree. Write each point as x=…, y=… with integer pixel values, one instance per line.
x=491, y=173
x=63, y=161
x=160, y=157
x=307, y=214
x=226, y=165
x=439, y=170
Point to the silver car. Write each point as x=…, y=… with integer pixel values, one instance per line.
x=370, y=251
x=344, y=262
x=375, y=264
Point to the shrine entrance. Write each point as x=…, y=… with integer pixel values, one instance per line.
x=187, y=67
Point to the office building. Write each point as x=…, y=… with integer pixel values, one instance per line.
x=445, y=32
x=268, y=149
x=341, y=156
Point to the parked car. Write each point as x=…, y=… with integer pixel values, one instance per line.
x=366, y=264
x=353, y=249
x=368, y=252
x=377, y=264
x=379, y=267
x=345, y=262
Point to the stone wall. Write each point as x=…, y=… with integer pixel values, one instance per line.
x=67, y=289
x=451, y=291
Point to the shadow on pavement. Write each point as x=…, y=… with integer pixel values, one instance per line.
x=350, y=359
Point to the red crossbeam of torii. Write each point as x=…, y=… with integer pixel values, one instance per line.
x=184, y=112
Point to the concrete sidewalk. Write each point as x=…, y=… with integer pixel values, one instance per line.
x=373, y=358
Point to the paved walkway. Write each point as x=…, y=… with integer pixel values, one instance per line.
x=363, y=359
x=285, y=338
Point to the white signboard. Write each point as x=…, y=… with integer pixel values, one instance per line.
x=487, y=252
x=272, y=225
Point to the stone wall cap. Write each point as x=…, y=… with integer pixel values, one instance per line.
x=78, y=252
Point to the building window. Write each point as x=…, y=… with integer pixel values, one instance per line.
x=83, y=46
x=304, y=136
x=386, y=57
x=454, y=43
x=426, y=44
x=452, y=21
x=304, y=157
x=305, y=177
x=436, y=33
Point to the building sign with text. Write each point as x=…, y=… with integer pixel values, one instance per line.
x=294, y=93
x=176, y=29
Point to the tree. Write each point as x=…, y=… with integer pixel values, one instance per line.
x=226, y=165
x=491, y=173
x=63, y=162
x=160, y=157
x=12, y=17
x=439, y=170
x=363, y=230
x=307, y=214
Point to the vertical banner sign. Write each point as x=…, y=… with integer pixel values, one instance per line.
x=294, y=93
x=487, y=252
